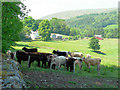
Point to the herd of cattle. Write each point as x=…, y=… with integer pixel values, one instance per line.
x=54, y=59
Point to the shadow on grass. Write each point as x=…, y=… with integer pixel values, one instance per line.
x=99, y=52
x=22, y=45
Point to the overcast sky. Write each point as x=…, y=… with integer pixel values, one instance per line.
x=40, y=8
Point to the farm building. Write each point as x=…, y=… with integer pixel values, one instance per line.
x=98, y=37
x=55, y=36
x=34, y=34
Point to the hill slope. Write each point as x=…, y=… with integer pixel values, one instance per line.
x=73, y=13
x=93, y=20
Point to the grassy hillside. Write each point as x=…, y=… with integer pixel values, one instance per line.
x=109, y=54
x=100, y=20
x=73, y=13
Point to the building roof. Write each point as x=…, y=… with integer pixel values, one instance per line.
x=98, y=37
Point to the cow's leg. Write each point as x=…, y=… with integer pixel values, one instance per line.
x=80, y=64
x=45, y=64
x=42, y=63
x=38, y=63
x=48, y=64
x=98, y=69
x=29, y=64
x=71, y=68
x=59, y=65
x=74, y=66
x=89, y=67
x=51, y=65
x=19, y=61
x=65, y=66
x=29, y=61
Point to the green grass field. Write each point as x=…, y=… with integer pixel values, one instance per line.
x=109, y=55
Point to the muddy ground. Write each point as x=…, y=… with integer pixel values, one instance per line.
x=37, y=79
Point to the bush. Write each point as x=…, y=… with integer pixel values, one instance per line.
x=76, y=37
x=94, y=44
x=69, y=38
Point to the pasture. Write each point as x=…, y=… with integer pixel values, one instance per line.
x=108, y=54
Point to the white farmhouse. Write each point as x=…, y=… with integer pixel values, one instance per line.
x=34, y=34
x=55, y=36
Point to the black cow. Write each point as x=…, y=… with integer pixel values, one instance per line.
x=60, y=53
x=27, y=56
x=70, y=63
x=29, y=50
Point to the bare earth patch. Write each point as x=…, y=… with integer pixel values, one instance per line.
x=37, y=79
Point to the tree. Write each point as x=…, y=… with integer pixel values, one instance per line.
x=44, y=30
x=25, y=31
x=59, y=26
x=12, y=12
x=30, y=23
x=94, y=44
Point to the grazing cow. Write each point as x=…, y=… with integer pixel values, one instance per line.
x=45, y=58
x=40, y=57
x=92, y=61
x=88, y=56
x=79, y=61
x=32, y=56
x=49, y=60
x=71, y=61
x=76, y=54
x=58, y=61
x=29, y=50
x=27, y=56
x=60, y=53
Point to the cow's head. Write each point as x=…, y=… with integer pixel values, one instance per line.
x=23, y=48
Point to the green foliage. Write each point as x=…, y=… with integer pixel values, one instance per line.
x=73, y=31
x=70, y=38
x=31, y=23
x=93, y=20
x=111, y=31
x=76, y=37
x=94, y=24
x=11, y=24
x=59, y=26
x=44, y=30
x=94, y=44
x=108, y=35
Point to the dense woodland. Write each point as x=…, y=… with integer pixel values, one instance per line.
x=92, y=24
